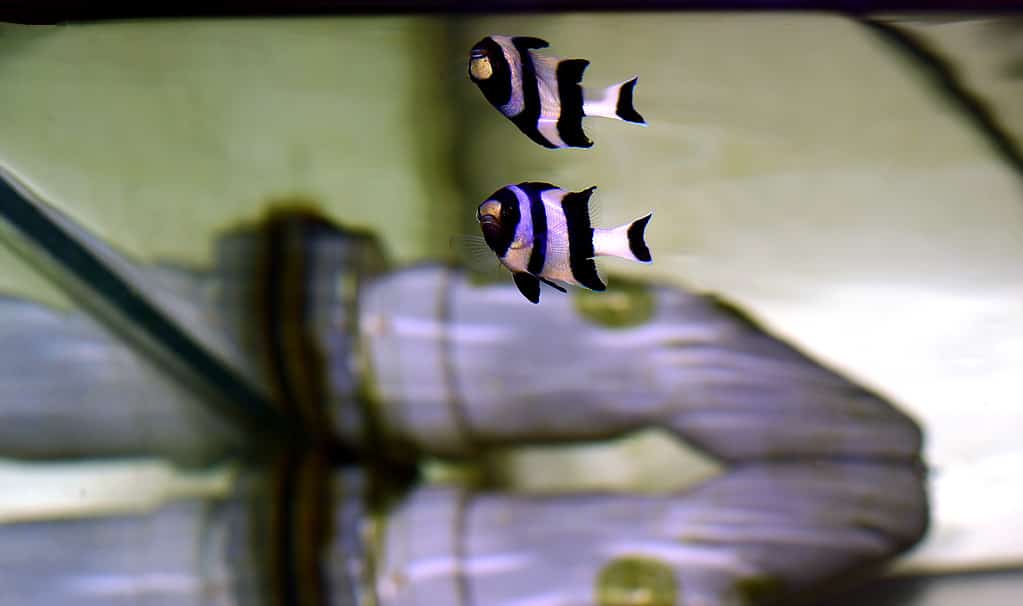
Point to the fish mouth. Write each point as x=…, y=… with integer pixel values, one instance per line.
x=477, y=53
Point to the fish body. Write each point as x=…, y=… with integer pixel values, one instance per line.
x=542, y=233
x=542, y=95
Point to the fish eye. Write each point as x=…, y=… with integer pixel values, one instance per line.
x=509, y=213
x=480, y=67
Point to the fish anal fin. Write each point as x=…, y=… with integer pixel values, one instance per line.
x=585, y=273
x=528, y=285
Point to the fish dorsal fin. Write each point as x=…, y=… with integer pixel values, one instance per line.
x=528, y=42
x=577, y=204
x=596, y=210
x=529, y=286
x=535, y=187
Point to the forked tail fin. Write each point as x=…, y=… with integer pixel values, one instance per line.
x=625, y=108
x=626, y=241
x=616, y=102
x=637, y=239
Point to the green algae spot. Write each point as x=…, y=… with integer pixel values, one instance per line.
x=636, y=581
x=757, y=590
x=625, y=304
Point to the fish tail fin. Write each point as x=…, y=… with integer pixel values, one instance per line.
x=625, y=108
x=616, y=102
x=626, y=241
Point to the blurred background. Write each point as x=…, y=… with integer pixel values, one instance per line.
x=853, y=185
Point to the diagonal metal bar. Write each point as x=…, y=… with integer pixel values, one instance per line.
x=78, y=264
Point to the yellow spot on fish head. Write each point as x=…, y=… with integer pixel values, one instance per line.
x=490, y=208
x=489, y=216
x=480, y=68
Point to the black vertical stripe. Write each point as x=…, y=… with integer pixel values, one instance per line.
x=500, y=240
x=538, y=214
x=570, y=99
x=528, y=118
x=498, y=87
x=580, y=238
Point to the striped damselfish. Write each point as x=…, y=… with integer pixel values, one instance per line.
x=542, y=95
x=542, y=233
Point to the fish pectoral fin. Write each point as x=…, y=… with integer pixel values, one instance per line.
x=473, y=253
x=528, y=285
x=553, y=285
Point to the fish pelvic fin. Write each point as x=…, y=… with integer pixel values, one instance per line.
x=528, y=285
x=616, y=102
x=553, y=285
x=626, y=241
